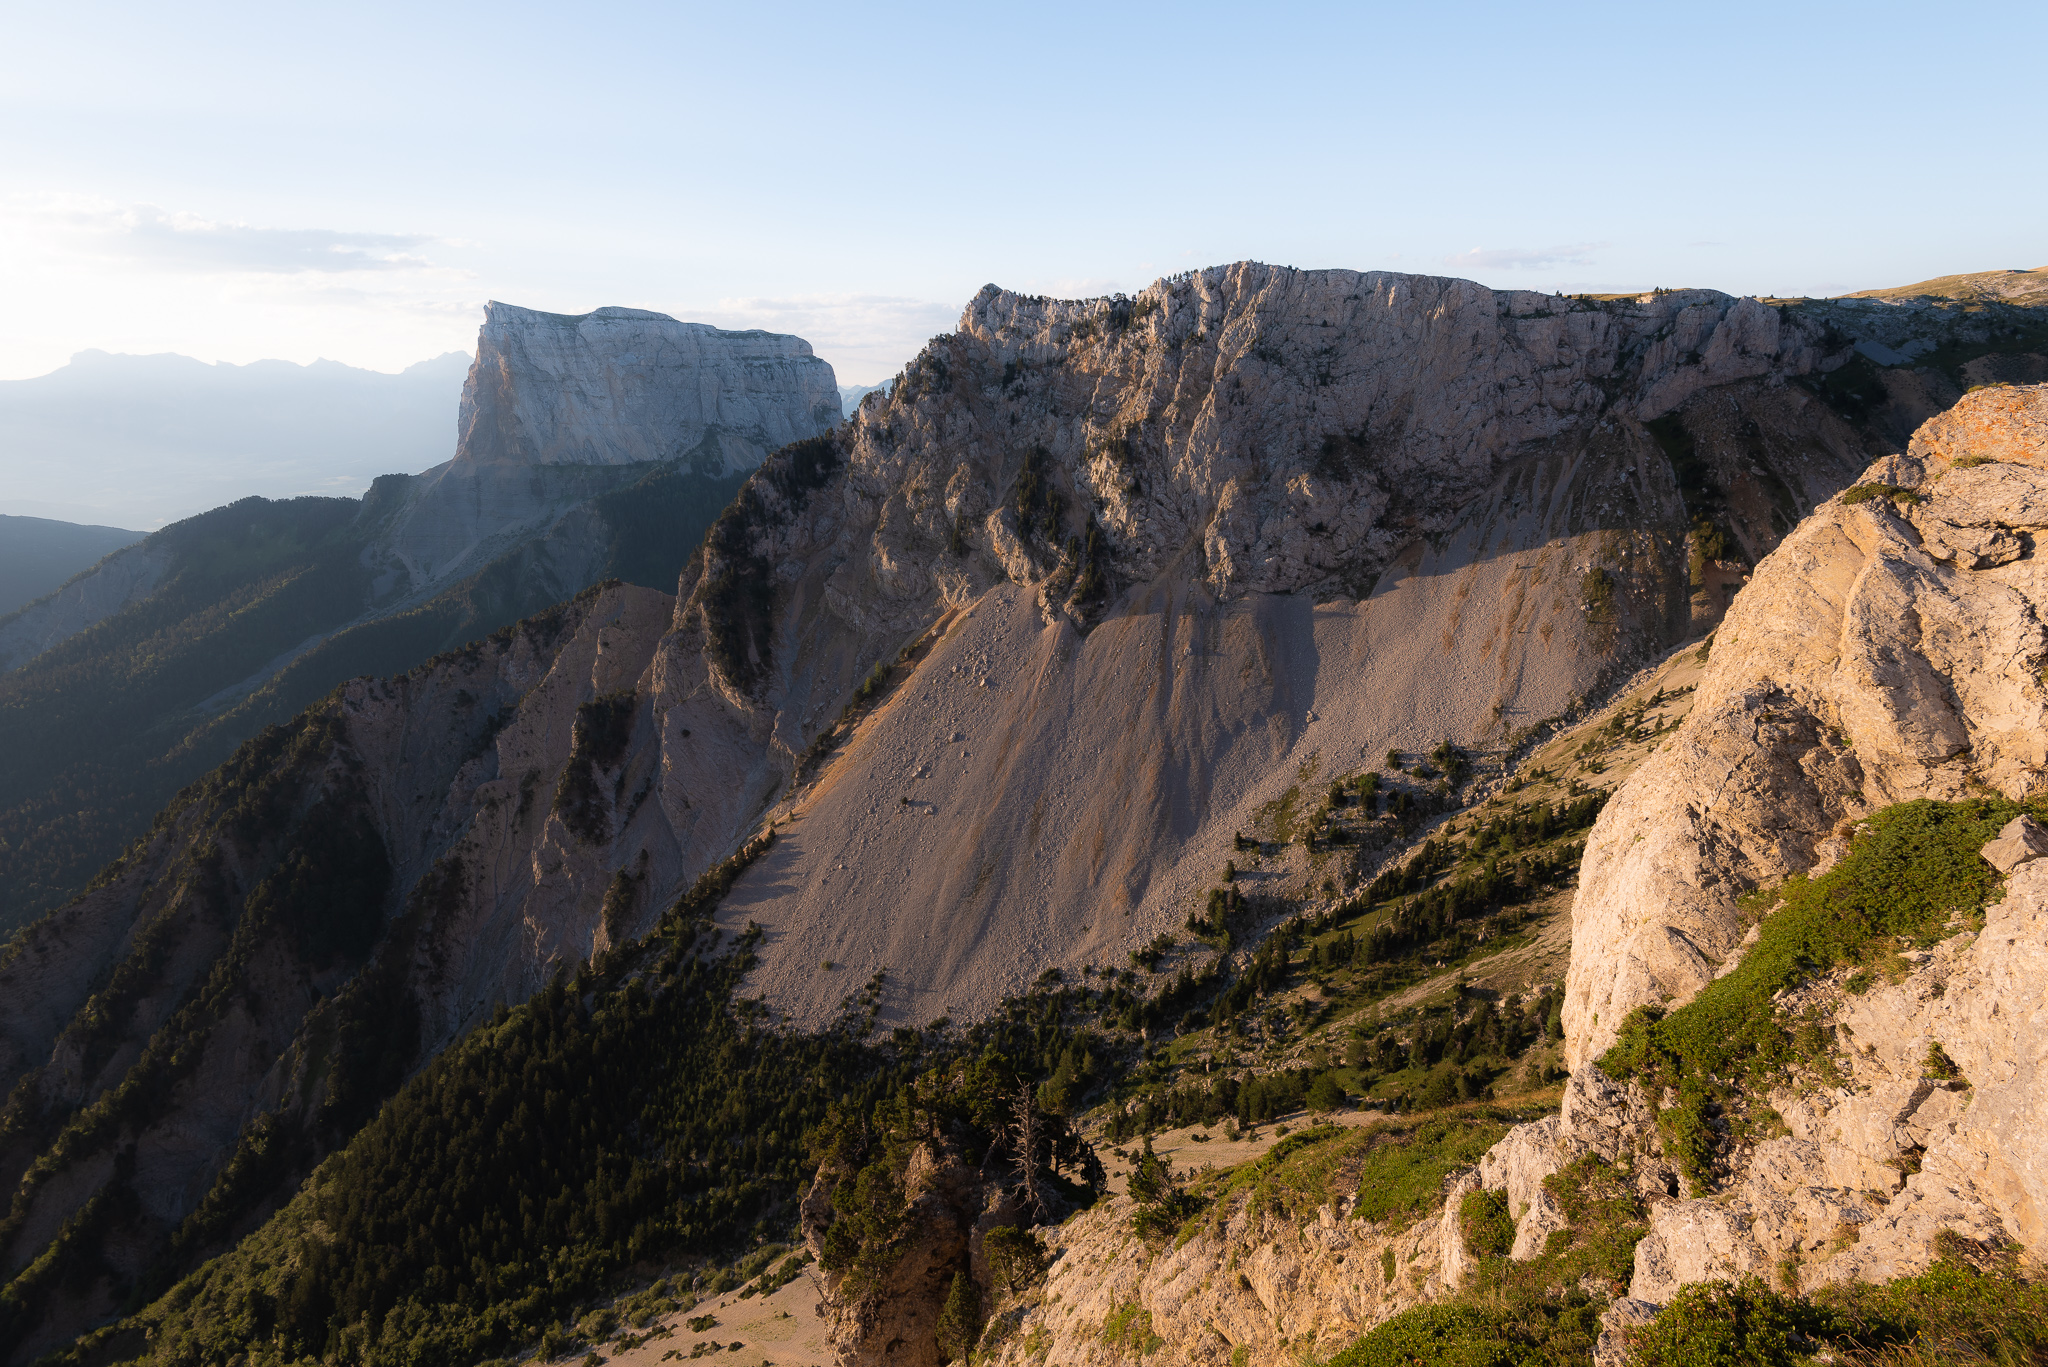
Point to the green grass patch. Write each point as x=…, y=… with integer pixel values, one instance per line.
x=1912, y=873
x=1863, y=493
x=1129, y=1327
x=1486, y=1223
x=1399, y=1180
x=1397, y=1168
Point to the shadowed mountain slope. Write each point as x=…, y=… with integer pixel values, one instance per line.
x=38, y=555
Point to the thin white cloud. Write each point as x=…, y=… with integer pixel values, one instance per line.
x=1525, y=258
x=165, y=239
x=85, y=271
x=198, y=244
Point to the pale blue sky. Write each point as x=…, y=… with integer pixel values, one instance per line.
x=239, y=181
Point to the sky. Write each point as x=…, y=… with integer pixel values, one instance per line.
x=242, y=181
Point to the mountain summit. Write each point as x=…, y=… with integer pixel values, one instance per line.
x=620, y=386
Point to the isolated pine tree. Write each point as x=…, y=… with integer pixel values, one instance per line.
x=960, y=1322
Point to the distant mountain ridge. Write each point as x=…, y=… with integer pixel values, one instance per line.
x=850, y=395
x=146, y=440
x=2027, y=288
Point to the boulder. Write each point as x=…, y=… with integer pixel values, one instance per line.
x=2018, y=841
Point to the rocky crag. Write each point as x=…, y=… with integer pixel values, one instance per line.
x=1890, y=650
x=554, y=400
x=1127, y=572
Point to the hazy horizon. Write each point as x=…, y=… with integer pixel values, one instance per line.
x=141, y=441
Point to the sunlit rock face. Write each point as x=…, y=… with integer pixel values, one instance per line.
x=622, y=386
x=1890, y=649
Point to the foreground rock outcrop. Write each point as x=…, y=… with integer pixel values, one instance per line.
x=1878, y=1171
x=1242, y=1293
x=1891, y=649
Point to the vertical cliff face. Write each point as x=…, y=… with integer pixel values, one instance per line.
x=623, y=386
x=559, y=410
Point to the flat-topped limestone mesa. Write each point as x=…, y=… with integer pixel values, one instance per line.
x=621, y=386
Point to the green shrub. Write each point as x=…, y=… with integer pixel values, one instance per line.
x=1961, y=1313
x=1715, y=1324
x=1455, y=1335
x=1325, y=1094
x=1940, y=1065
x=1129, y=1327
x=1605, y=1219
x=1911, y=871
x=1952, y=1313
x=1486, y=1223
x=1863, y=493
